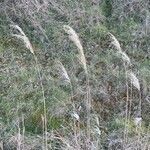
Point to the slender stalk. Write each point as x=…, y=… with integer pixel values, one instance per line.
x=23, y=131
x=43, y=127
x=19, y=140
x=44, y=103
x=88, y=108
x=76, y=128
x=139, y=126
x=130, y=103
x=126, y=116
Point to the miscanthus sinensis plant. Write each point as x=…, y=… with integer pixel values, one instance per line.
x=134, y=81
x=22, y=36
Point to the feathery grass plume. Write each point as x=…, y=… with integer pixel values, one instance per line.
x=74, y=37
x=23, y=37
x=115, y=42
x=75, y=115
x=137, y=120
x=134, y=80
x=125, y=57
x=62, y=71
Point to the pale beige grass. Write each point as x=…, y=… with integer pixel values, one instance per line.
x=74, y=37
x=22, y=36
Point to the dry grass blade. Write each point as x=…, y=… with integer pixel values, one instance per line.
x=23, y=37
x=74, y=37
x=134, y=80
x=115, y=42
x=62, y=71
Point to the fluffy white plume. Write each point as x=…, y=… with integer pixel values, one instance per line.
x=115, y=42
x=134, y=80
x=62, y=71
x=23, y=37
x=74, y=37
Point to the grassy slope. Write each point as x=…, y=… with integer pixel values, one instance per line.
x=21, y=104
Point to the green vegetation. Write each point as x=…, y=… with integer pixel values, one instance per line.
x=74, y=75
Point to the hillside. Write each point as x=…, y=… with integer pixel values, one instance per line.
x=74, y=75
